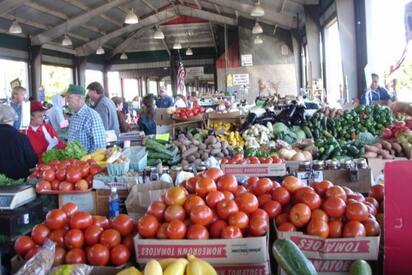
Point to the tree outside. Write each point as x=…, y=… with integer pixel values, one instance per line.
x=55, y=79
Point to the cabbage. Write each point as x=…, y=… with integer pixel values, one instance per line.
x=300, y=134
x=279, y=128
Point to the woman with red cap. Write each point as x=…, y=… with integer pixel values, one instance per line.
x=42, y=136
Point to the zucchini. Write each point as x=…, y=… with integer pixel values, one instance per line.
x=153, y=162
x=328, y=152
x=353, y=151
x=156, y=155
x=360, y=267
x=156, y=146
x=307, y=131
x=289, y=257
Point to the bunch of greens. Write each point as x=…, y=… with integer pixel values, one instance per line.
x=73, y=150
x=7, y=181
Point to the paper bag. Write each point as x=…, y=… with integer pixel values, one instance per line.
x=142, y=195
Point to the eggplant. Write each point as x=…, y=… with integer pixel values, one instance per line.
x=250, y=120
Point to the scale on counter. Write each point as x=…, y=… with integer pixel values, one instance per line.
x=12, y=197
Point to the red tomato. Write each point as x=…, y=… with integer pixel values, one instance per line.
x=254, y=160
x=49, y=175
x=33, y=251
x=81, y=220
x=74, y=238
x=281, y=195
x=318, y=227
x=301, y=191
x=377, y=192
x=110, y=238
x=321, y=187
x=23, y=244
x=174, y=212
x=73, y=174
x=372, y=201
x=224, y=161
x=192, y=201
x=240, y=190
x=175, y=196
x=238, y=157
x=300, y=214
x=98, y=255
x=56, y=219
x=356, y=211
x=292, y=183
x=197, y=232
x=128, y=242
x=231, y=232
x=94, y=169
x=230, y=196
x=282, y=218
x=213, y=198
x=286, y=227
x=201, y=214
x=247, y=202
x=84, y=169
x=225, y=208
x=273, y=208
x=250, y=183
x=258, y=226
x=92, y=234
x=157, y=209
x=227, y=183
x=260, y=213
x=59, y=255
x=239, y=219
x=40, y=233
x=262, y=199
x=204, y=186
x=42, y=186
x=276, y=160
x=161, y=232
x=75, y=256
x=355, y=196
x=275, y=184
x=119, y=255
x=266, y=160
x=190, y=184
x=354, y=229
x=319, y=214
x=55, y=185
x=176, y=230
x=69, y=208
x=335, y=229
x=61, y=174
x=214, y=173
x=372, y=227
x=334, y=207
x=337, y=192
x=147, y=226
x=263, y=185
x=312, y=200
x=66, y=186
x=101, y=221
x=57, y=236
x=123, y=223
x=216, y=229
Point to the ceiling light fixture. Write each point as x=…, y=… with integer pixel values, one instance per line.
x=67, y=41
x=258, y=40
x=131, y=18
x=257, y=29
x=159, y=34
x=257, y=10
x=100, y=50
x=189, y=51
x=177, y=46
x=15, y=28
x=123, y=56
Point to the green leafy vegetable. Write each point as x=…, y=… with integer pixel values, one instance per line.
x=7, y=181
x=73, y=150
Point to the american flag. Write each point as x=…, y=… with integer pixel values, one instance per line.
x=181, y=77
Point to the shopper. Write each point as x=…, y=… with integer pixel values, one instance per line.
x=17, y=98
x=164, y=101
x=124, y=126
x=147, y=122
x=85, y=124
x=42, y=136
x=17, y=156
x=55, y=113
x=41, y=94
x=376, y=93
x=104, y=106
x=179, y=102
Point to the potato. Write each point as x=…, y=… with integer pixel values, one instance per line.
x=198, y=161
x=370, y=155
x=184, y=162
x=205, y=156
x=191, y=159
x=202, y=146
x=371, y=148
x=196, y=155
x=220, y=155
x=386, y=145
x=397, y=147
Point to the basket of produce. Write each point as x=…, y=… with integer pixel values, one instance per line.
x=188, y=114
x=137, y=157
x=119, y=166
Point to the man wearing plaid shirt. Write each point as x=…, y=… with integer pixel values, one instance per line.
x=85, y=126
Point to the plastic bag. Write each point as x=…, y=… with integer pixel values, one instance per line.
x=42, y=262
x=72, y=269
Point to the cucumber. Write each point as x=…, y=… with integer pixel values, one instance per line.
x=360, y=267
x=289, y=257
x=156, y=146
x=307, y=131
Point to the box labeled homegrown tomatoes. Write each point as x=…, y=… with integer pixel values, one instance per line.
x=216, y=251
x=314, y=247
x=258, y=170
x=242, y=269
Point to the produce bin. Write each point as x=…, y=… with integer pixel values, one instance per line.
x=137, y=157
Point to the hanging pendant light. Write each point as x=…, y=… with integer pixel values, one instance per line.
x=177, y=46
x=258, y=40
x=131, y=18
x=257, y=29
x=15, y=28
x=159, y=34
x=123, y=56
x=67, y=41
x=100, y=50
x=257, y=10
x=189, y=51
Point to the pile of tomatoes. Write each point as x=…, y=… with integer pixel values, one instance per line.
x=81, y=238
x=240, y=159
x=188, y=113
x=327, y=210
x=66, y=175
x=210, y=206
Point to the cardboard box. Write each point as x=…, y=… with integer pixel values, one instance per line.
x=259, y=170
x=243, y=269
x=342, y=177
x=215, y=251
x=328, y=267
x=162, y=117
x=85, y=201
x=102, y=200
x=366, y=248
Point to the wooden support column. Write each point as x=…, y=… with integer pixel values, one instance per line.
x=35, y=69
x=81, y=71
x=122, y=87
x=173, y=72
x=105, y=81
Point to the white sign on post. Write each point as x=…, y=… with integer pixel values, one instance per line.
x=194, y=71
x=246, y=60
x=240, y=79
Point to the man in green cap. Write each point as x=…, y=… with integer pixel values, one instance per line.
x=85, y=126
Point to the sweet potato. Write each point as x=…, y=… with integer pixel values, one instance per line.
x=370, y=155
x=372, y=148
